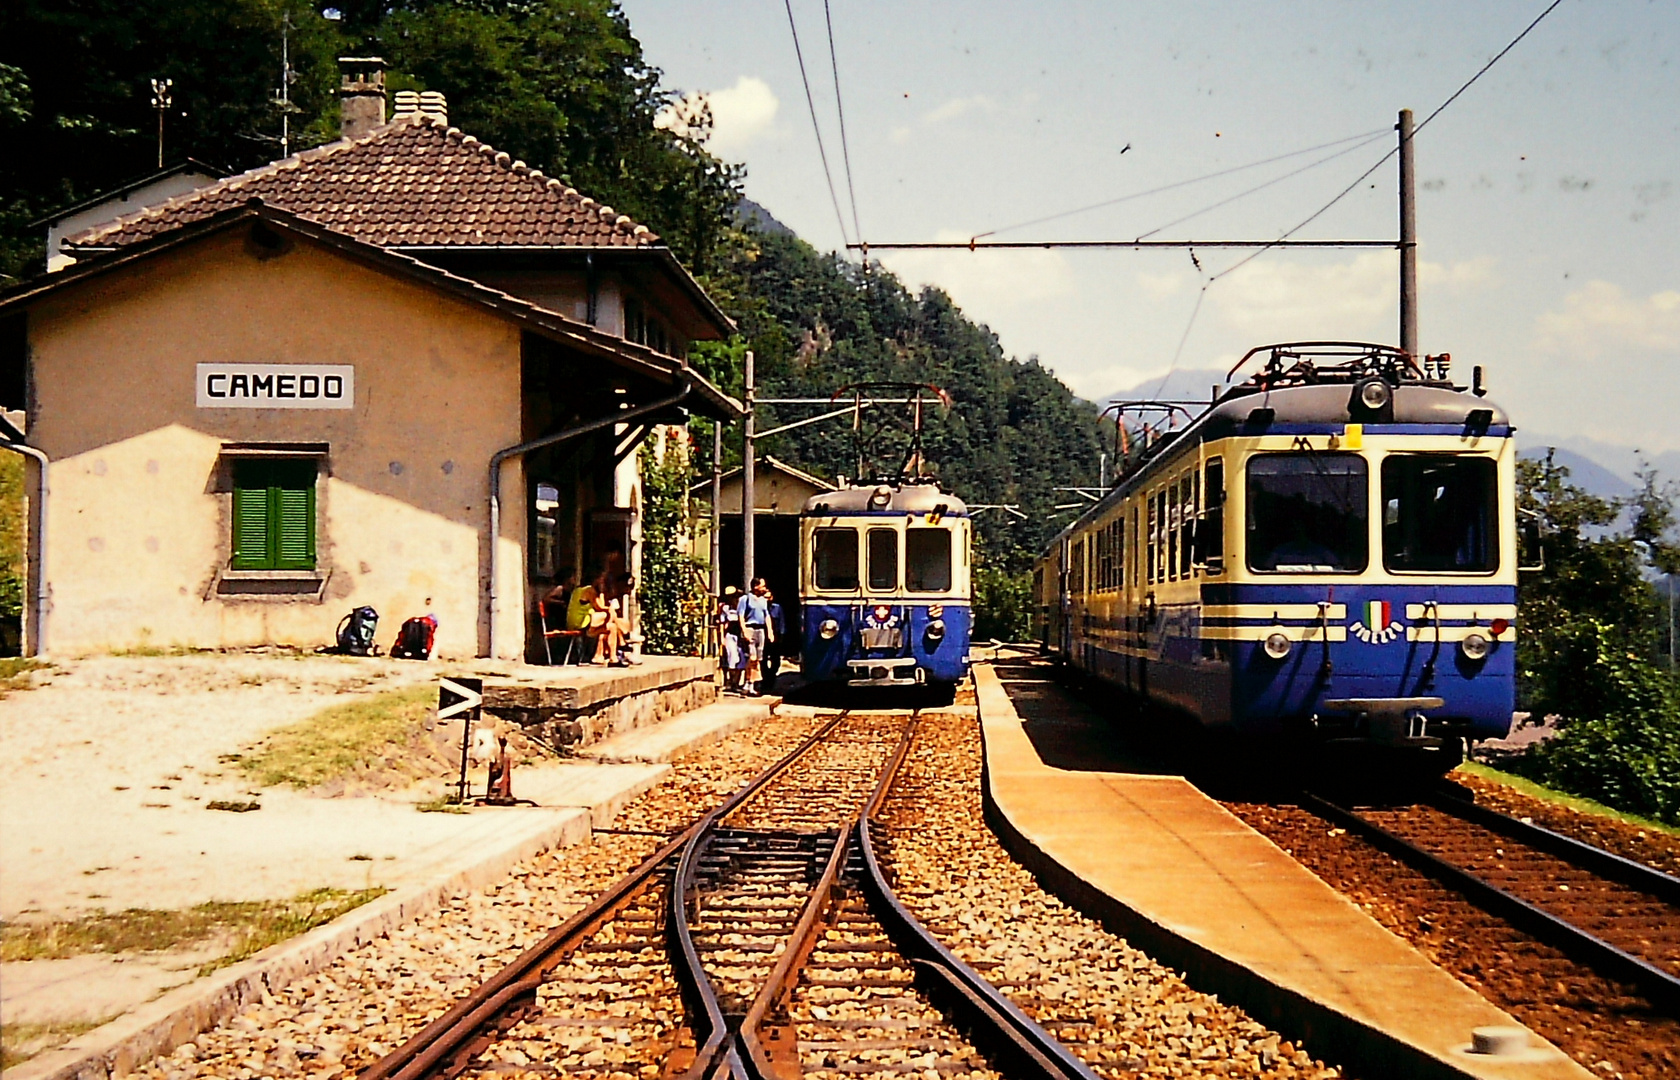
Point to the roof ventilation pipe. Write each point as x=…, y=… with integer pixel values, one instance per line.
x=623, y=417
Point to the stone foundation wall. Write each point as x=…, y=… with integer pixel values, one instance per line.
x=570, y=730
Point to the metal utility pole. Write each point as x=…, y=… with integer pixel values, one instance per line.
x=286, y=85
x=1408, y=240
x=717, y=508
x=162, y=98
x=749, y=490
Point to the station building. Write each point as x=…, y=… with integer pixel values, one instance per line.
x=401, y=370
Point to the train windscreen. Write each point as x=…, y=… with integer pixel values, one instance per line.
x=1307, y=513
x=1440, y=513
x=927, y=560
x=883, y=559
x=835, y=555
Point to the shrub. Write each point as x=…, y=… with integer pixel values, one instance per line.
x=1002, y=604
x=1618, y=715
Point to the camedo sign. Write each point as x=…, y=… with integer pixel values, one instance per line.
x=276, y=386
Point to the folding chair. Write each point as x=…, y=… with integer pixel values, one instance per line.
x=572, y=638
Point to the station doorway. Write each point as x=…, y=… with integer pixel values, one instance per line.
x=776, y=560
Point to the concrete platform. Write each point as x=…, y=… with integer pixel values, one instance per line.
x=686, y=733
x=1182, y=878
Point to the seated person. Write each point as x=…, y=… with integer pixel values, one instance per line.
x=557, y=599
x=603, y=623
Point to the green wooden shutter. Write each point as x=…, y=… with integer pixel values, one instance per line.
x=294, y=516
x=274, y=515
x=250, y=516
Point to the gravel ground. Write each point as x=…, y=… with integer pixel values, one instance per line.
x=1656, y=849
x=1123, y=1013
x=1603, y=1025
x=341, y=1020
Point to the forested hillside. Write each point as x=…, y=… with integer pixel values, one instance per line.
x=1013, y=431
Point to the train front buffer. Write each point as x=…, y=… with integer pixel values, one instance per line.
x=888, y=643
x=1400, y=664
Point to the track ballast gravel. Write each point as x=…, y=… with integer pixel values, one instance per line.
x=1120, y=1011
x=366, y=1003
x=1604, y=1025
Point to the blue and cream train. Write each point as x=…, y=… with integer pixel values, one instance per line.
x=1329, y=551
x=884, y=582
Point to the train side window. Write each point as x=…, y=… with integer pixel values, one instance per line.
x=1210, y=533
x=1191, y=487
x=1440, y=513
x=1151, y=530
x=1307, y=513
x=927, y=560
x=835, y=552
x=1175, y=526
x=883, y=559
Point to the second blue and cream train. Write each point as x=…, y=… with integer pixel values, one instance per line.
x=1328, y=552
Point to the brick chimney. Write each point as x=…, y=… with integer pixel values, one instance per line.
x=361, y=95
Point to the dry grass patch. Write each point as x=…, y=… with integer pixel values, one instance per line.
x=248, y=927
x=16, y=673
x=379, y=733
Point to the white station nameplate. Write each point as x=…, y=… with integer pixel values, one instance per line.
x=276, y=386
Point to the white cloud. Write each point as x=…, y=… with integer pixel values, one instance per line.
x=1600, y=318
x=956, y=107
x=1276, y=300
x=741, y=114
x=986, y=282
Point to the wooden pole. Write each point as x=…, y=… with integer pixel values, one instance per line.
x=1408, y=240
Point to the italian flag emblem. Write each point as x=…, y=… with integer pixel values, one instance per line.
x=1377, y=614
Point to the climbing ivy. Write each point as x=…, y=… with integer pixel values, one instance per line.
x=671, y=596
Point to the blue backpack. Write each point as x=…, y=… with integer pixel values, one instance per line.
x=355, y=632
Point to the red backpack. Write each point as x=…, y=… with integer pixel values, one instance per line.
x=414, y=640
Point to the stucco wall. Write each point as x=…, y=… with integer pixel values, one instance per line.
x=140, y=511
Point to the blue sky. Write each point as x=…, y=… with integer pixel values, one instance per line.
x=1549, y=215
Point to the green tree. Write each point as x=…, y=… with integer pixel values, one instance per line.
x=1587, y=654
x=561, y=84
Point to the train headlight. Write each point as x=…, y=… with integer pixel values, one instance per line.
x=1475, y=646
x=1374, y=394
x=936, y=629
x=1278, y=645
x=828, y=629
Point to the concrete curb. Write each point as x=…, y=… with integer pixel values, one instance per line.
x=1327, y=1032
x=158, y=1027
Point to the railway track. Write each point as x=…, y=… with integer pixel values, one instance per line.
x=1612, y=914
x=763, y=941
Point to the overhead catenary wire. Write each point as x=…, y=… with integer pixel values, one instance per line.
x=1262, y=186
x=1483, y=70
x=1180, y=183
x=816, y=128
x=840, y=110
x=1310, y=218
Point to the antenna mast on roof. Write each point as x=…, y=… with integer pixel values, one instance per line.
x=283, y=96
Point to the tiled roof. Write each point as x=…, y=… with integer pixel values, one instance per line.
x=412, y=183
